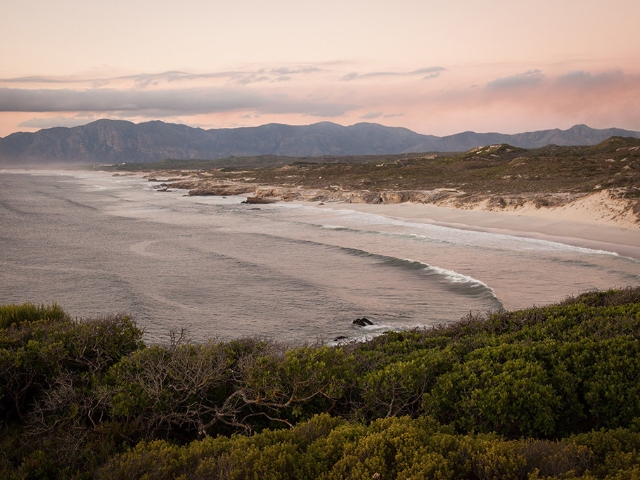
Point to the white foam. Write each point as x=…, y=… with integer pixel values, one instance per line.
x=457, y=236
x=455, y=277
x=333, y=227
x=451, y=275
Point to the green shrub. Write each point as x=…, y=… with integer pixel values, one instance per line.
x=546, y=392
x=27, y=312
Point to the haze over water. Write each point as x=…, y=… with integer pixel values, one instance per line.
x=98, y=244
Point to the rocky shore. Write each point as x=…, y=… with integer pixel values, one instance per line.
x=600, y=207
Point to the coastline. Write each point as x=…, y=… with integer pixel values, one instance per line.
x=623, y=241
x=509, y=266
x=601, y=217
x=596, y=221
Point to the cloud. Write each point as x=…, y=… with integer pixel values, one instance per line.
x=144, y=80
x=582, y=79
x=40, y=79
x=430, y=72
x=162, y=102
x=350, y=76
x=111, y=100
x=253, y=78
x=597, y=98
x=530, y=77
x=374, y=115
x=141, y=79
x=57, y=122
x=532, y=100
x=371, y=115
x=422, y=71
x=294, y=71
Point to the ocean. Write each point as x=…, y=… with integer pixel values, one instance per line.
x=99, y=244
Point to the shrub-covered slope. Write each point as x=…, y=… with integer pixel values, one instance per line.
x=539, y=393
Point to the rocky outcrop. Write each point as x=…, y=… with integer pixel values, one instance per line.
x=616, y=203
x=198, y=185
x=259, y=200
x=358, y=196
x=362, y=322
x=222, y=190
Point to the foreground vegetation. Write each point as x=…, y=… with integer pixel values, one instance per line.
x=547, y=392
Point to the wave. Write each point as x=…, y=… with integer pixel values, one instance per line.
x=459, y=283
x=449, y=276
x=463, y=284
x=410, y=236
x=337, y=227
x=458, y=236
x=455, y=277
x=524, y=243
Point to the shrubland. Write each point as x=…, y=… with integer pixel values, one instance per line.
x=613, y=164
x=546, y=392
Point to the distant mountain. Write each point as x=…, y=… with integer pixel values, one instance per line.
x=574, y=136
x=115, y=141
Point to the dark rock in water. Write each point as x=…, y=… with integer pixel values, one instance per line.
x=259, y=200
x=362, y=322
x=340, y=337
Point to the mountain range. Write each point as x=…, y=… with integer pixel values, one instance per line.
x=116, y=141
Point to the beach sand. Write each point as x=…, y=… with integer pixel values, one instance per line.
x=553, y=224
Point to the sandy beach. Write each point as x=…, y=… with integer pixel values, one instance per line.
x=547, y=224
x=600, y=220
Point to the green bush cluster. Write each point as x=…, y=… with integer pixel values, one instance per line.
x=332, y=449
x=18, y=314
x=547, y=392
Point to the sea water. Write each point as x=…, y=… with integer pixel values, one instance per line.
x=99, y=244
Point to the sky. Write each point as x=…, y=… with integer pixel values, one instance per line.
x=435, y=67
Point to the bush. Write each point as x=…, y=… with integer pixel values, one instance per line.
x=498, y=391
x=27, y=312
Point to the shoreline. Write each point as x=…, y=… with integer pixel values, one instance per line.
x=595, y=220
x=599, y=223
x=509, y=271
x=623, y=241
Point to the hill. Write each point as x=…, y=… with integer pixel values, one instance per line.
x=115, y=141
x=599, y=183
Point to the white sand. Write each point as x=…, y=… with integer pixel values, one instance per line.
x=581, y=224
x=596, y=209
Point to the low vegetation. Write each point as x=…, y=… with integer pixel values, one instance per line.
x=547, y=392
x=499, y=170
